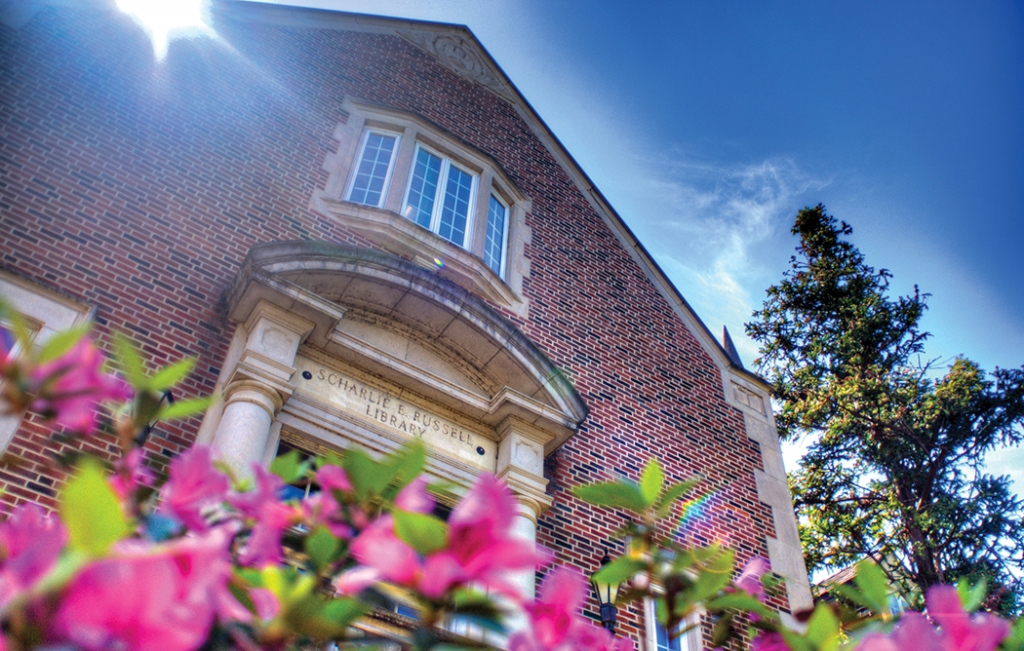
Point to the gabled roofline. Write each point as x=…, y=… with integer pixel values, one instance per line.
x=321, y=18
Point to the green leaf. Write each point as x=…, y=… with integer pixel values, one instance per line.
x=145, y=408
x=407, y=463
x=91, y=510
x=622, y=494
x=242, y=596
x=674, y=492
x=250, y=576
x=185, y=408
x=1015, y=641
x=852, y=594
x=172, y=374
x=322, y=547
x=367, y=476
x=323, y=618
x=795, y=641
x=823, y=628
x=343, y=611
x=289, y=466
x=742, y=602
x=130, y=362
x=707, y=584
x=424, y=533
x=652, y=481
x=60, y=343
x=722, y=630
x=619, y=570
x=971, y=596
x=476, y=608
x=873, y=585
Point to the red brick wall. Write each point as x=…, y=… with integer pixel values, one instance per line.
x=138, y=188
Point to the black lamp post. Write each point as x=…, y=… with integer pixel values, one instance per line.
x=606, y=594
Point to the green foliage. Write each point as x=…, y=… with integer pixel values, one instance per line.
x=61, y=343
x=1015, y=641
x=874, y=587
x=622, y=494
x=619, y=570
x=894, y=470
x=424, y=533
x=365, y=474
x=478, y=609
x=91, y=510
x=289, y=467
x=322, y=547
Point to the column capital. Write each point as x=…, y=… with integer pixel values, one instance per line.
x=270, y=398
x=529, y=490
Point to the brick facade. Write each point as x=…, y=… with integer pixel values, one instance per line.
x=138, y=188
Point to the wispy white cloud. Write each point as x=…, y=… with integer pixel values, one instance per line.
x=719, y=229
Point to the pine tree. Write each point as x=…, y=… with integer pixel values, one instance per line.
x=896, y=467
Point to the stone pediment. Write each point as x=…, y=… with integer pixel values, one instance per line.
x=461, y=55
x=413, y=328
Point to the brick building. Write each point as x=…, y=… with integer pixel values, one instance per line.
x=363, y=232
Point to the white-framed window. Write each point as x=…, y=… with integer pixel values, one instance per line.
x=46, y=313
x=497, y=235
x=430, y=197
x=658, y=638
x=441, y=195
x=373, y=170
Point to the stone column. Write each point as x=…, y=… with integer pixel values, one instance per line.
x=244, y=428
x=259, y=385
x=521, y=466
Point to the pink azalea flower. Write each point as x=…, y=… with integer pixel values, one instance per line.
x=750, y=577
x=480, y=546
x=555, y=623
x=378, y=548
x=323, y=508
x=70, y=388
x=415, y=497
x=332, y=478
x=960, y=630
x=769, y=642
x=151, y=598
x=30, y=543
x=129, y=473
x=913, y=631
x=193, y=485
x=272, y=518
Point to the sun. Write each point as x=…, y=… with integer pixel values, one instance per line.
x=167, y=19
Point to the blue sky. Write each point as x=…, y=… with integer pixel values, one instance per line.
x=709, y=123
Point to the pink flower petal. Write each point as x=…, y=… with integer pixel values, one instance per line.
x=415, y=498
x=194, y=485
x=961, y=631
x=31, y=542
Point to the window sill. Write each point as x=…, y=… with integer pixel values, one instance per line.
x=402, y=237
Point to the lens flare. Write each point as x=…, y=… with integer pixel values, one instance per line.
x=167, y=19
x=708, y=519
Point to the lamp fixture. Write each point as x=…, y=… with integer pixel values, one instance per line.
x=606, y=595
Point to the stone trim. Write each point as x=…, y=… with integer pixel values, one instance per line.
x=387, y=227
x=785, y=554
x=460, y=55
x=381, y=284
x=47, y=313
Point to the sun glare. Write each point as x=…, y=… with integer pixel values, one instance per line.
x=167, y=19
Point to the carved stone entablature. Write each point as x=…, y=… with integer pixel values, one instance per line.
x=417, y=332
x=461, y=55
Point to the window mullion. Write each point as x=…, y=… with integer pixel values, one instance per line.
x=439, y=198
